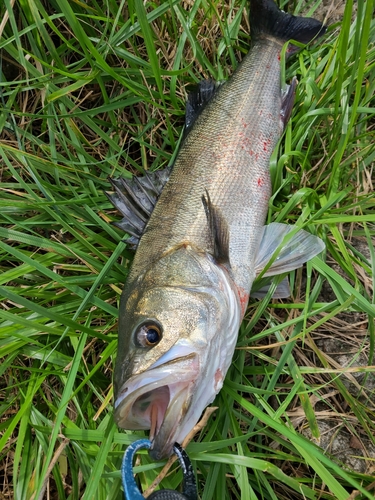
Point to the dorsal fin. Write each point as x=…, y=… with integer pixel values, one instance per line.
x=135, y=198
x=197, y=100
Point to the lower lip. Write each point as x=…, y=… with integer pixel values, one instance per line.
x=159, y=456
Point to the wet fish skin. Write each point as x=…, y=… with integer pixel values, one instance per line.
x=206, y=304
x=176, y=286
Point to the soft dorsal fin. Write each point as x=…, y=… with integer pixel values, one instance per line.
x=197, y=100
x=219, y=230
x=135, y=198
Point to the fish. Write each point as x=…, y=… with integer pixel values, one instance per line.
x=200, y=239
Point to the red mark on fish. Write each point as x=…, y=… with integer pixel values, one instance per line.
x=266, y=144
x=243, y=295
x=218, y=379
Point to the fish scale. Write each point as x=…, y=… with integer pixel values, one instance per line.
x=204, y=243
x=227, y=153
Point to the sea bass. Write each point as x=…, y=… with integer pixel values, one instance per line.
x=203, y=240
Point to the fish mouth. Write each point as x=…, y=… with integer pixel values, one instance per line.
x=159, y=399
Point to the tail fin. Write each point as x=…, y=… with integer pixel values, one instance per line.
x=267, y=19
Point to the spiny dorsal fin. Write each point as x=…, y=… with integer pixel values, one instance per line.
x=135, y=198
x=218, y=229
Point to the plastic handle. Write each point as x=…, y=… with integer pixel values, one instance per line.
x=130, y=486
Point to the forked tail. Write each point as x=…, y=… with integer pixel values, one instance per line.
x=267, y=19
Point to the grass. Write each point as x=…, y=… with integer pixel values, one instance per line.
x=98, y=89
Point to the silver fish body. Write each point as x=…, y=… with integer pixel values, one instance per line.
x=226, y=153
x=192, y=273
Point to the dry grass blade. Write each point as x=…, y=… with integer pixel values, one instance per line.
x=197, y=428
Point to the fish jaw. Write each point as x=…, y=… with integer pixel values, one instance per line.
x=187, y=405
x=144, y=399
x=170, y=396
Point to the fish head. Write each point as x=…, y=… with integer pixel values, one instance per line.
x=177, y=333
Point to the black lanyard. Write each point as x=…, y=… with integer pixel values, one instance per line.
x=131, y=490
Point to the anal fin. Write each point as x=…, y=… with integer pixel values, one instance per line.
x=287, y=101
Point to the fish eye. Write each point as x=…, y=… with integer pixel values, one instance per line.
x=148, y=334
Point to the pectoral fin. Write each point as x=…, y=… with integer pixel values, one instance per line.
x=135, y=198
x=294, y=251
x=219, y=230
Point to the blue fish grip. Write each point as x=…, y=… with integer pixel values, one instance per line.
x=131, y=490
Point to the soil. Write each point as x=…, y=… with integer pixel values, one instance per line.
x=332, y=11
x=346, y=344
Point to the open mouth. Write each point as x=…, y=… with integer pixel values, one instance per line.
x=153, y=405
x=158, y=399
